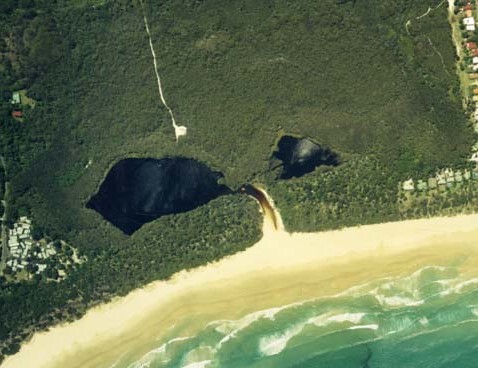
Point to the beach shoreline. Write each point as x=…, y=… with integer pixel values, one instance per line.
x=267, y=272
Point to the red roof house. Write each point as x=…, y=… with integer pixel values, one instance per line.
x=17, y=114
x=471, y=45
x=468, y=7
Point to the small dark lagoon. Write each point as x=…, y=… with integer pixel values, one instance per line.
x=140, y=190
x=300, y=156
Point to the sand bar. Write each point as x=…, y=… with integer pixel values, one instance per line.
x=273, y=270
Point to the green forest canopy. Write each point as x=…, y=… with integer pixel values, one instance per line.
x=238, y=74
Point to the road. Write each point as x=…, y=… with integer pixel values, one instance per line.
x=4, y=230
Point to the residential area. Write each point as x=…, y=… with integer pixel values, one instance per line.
x=464, y=32
x=30, y=255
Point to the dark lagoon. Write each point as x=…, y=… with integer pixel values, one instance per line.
x=140, y=190
x=300, y=156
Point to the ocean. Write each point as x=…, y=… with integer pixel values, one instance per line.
x=427, y=317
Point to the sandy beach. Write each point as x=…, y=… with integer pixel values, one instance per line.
x=280, y=268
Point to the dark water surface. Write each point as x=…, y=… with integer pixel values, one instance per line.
x=300, y=156
x=140, y=190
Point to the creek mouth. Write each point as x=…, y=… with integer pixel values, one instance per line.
x=300, y=156
x=266, y=206
x=139, y=190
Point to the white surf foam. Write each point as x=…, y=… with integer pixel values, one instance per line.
x=147, y=358
x=364, y=327
x=201, y=364
x=397, y=301
x=458, y=288
x=274, y=344
x=230, y=328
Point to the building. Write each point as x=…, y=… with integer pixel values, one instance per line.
x=16, y=99
x=421, y=185
x=469, y=21
x=408, y=185
x=17, y=114
x=458, y=176
x=432, y=183
x=471, y=45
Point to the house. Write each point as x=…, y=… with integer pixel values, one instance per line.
x=474, y=157
x=469, y=21
x=432, y=183
x=468, y=13
x=458, y=176
x=17, y=114
x=421, y=185
x=468, y=7
x=441, y=179
x=471, y=45
x=408, y=185
x=449, y=175
x=16, y=99
x=473, y=75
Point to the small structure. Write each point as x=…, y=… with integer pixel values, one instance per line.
x=471, y=45
x=17, y=114
x=421, y=185
x=449, y=175
x=432, y=183
x=467, y=174
x=408, y=185
x=458, y=176
x=474, y=157
x=440, y=178
x=469, y=23
x=16, y=99
x=473, y=75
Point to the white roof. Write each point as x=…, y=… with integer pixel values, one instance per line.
x=470, y=27
x=475, y=60
x=469, y=21
x=474, y=157
x=408, y=184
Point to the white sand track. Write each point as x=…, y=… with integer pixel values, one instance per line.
x=179, y=130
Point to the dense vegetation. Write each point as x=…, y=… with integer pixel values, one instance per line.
x=238, y=74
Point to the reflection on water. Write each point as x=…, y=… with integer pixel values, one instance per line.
x=300, y=156
x=139, y=190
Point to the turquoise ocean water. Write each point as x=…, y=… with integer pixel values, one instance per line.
x=428, y=318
